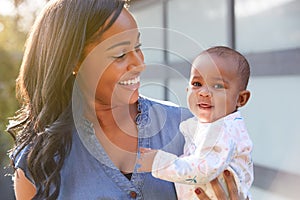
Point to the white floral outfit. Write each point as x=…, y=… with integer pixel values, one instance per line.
x=209, y=149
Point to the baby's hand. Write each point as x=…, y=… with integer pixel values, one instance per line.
x=146, y=159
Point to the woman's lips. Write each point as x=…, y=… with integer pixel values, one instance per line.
x=131, y=84
x=130, y=81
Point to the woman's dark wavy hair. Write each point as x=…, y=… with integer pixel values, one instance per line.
x=54, y=48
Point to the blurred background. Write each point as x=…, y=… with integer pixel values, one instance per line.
x=267, y=32
x=16, y=18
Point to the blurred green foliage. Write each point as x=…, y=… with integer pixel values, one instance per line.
x=11, y=50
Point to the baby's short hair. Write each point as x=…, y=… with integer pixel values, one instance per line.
x=243, y=65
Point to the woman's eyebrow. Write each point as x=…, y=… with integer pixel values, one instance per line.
x=123, y=43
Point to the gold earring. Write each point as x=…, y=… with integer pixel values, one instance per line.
x=126, y=5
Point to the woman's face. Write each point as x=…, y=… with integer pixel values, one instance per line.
x=111, y=71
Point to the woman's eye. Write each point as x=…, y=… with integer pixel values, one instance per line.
x=119, y=56
x=138, y=47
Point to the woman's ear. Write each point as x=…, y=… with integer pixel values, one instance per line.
x=244, y=96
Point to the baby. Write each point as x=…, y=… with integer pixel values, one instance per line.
x=216, y=138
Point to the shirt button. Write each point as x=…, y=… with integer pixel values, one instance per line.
x=133, y=194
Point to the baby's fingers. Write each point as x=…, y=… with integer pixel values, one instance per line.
x=145, y=150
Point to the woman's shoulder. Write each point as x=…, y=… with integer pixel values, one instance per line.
x=158, y=101
x=155, y=113
x=163, y=104
x=19, y=158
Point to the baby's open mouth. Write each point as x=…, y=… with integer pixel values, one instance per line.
x=204, y=105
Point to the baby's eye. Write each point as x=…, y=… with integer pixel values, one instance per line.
x=196, y=84
x=219, y=86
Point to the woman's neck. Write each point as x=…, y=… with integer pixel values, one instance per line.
x=117, y=118
x=117, y=126
x=117, y=132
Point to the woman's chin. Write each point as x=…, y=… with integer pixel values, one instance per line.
x=134, y=97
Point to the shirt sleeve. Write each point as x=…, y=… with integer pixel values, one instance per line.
x=20, y=162
x=208, y=160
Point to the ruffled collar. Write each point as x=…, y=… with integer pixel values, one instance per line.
x=143, y=108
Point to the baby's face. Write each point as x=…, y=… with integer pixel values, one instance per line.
x=214, y=88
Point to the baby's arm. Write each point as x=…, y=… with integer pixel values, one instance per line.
x=201, y=167
x=145, y=159
x=208, y=154
x=195, y=168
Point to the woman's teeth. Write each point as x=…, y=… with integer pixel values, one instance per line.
x=130, y=82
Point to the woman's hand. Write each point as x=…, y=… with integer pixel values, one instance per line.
x=24, y=189
x=219, y=191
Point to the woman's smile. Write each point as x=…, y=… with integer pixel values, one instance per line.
x=131, y=84
x=131, y=81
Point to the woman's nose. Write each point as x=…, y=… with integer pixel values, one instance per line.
x=136, y=61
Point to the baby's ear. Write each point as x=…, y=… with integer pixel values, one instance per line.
x=244, y=96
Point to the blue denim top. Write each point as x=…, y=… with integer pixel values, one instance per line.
x=88, y=172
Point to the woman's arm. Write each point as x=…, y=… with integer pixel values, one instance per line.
x=24, y=189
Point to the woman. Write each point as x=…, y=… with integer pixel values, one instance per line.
x=82, y=119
